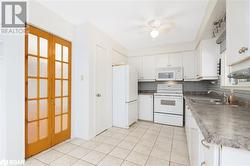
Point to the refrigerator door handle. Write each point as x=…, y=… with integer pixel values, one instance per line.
x=131, y=101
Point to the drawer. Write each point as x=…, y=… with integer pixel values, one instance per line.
x=175, y=120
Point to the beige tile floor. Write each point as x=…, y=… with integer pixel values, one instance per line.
x=144, y=143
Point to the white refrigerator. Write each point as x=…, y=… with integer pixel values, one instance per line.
x=125, y=96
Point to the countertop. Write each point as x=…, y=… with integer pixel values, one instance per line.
x=222, y=124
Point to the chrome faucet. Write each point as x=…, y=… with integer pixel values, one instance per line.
x=225, y=96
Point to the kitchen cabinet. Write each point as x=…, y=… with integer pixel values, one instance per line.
x=232, y=156
x=169, y=60
x=136, y=62
x=161, y=61
x=189, y=66
x=194, y=140
x=207, y=59
x=202, y=153
x=145, y=65
x=238, y=30
x=175, y=60
x=148, y=68
x=146, y=107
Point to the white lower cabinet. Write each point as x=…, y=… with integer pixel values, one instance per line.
x=234, y=157
x=146, y=107
x=203, y=154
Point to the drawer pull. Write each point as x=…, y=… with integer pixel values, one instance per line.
x=203, y=163
x=203, y=143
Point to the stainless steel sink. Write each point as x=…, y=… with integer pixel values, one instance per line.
x=211, y=102
x=208, y=101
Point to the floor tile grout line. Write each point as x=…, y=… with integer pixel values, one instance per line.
x=152, y=148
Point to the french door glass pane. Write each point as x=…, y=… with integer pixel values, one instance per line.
x=32, y=88
x=65, y=70
x=43, y=47
x=65, y=54
x=43, y=88
x=32, y=66
x=65, y=104
x=57, y=106
x=58, y=52
x=57, y=124
x=43, y=109
x=65, y=88
x=43, y=67
x=32, y=110
x=32, y=132
x=58, y=88
x=65, y=122
x=32, y=44
x=43, y=128
x=58, y=70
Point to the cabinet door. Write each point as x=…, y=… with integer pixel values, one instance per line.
x=189, y=66
x=238, y=29
x=148, y=67
x=161, y=61
x=175, y=60
x=211, y=155
x=232, y=157
x=136, y=62
x=146, y=107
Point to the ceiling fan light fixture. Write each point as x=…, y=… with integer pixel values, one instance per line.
x=154, y=33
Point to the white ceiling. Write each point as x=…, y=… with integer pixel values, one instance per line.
x=123, y=20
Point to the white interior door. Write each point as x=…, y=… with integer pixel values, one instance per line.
x=101, y=112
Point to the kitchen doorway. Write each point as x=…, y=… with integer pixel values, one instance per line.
x=47, y=90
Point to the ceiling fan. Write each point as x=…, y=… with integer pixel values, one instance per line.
x=157, y=26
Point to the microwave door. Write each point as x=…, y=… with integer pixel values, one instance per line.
x=166, y=76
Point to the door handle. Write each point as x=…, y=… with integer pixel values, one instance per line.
x=98, y=95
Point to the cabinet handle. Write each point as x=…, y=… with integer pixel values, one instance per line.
x=203, y=163
x=203, y=143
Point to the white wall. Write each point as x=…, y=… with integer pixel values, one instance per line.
x=87, y=36
x=14, y=97
x=40, y=16
x=2, y=104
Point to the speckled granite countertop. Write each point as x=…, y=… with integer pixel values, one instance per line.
x=222, y=124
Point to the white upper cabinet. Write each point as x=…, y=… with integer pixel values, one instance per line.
x=208, y=53
x=238, y=30
x=175, y=60
x=189, y=66
x=161, y=61
x=137, y=63
x=148, y=68
x=145, y=66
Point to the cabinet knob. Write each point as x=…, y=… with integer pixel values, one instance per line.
x=203, y=163
x=243, y=50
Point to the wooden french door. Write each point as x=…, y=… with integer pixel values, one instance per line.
x=47, y=90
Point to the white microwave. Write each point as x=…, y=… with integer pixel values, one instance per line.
x=169, y=74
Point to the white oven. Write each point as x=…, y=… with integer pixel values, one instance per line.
x=169, y=73
x=168, y=104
